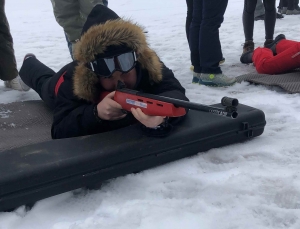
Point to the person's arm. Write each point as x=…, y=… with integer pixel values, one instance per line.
x=76, y=117
x=8, y=66
x=72, y=117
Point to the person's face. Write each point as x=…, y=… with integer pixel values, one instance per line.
x=110, y=84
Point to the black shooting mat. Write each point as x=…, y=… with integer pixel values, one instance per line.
x=24, y=123
x=290, y=82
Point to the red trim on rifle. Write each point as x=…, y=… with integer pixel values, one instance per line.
x=148, y=106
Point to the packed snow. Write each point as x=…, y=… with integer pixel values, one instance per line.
x=251, y=185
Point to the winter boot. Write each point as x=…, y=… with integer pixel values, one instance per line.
x=217, y=80
x=292, y=12
x=196, y=77
x=246, y=57
x=16, y=84
x=272, y=45
x=279, y=16
x=248, y=46
x=283, y=10
x=268, y=42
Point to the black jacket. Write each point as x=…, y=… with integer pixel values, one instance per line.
x=102, y=35
x=75, y=117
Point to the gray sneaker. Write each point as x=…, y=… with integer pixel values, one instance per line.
x=16, y=84
x=292, y=12
x=283, y=10
x=196, y=77
x=217, y=80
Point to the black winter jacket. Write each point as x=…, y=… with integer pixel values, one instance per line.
x=75, y=117
x=102, y=35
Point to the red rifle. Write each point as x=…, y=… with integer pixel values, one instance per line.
x=164, y=106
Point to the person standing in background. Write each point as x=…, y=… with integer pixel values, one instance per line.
x=259, y=13
x=248, y=22
x=71, y=16
x=289, y=7
x=204, y=18
x=8, y=65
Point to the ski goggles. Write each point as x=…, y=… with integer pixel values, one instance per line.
x=105, y=67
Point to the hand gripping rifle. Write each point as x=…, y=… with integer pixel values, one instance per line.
x=164, y=106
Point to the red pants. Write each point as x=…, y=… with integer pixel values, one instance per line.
x=287, y=58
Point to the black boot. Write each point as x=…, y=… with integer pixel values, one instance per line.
x=248, y=46
x=272, y=45
x=246, y=57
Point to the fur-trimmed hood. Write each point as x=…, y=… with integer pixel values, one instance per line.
x=97, y=39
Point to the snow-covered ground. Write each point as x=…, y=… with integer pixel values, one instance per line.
x=254, y=185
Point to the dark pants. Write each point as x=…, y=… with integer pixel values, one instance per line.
x=290, y=4
x=38, y=76
x=248, y=18
x=204, y=40
x=105, y=2
x=8, y=66
x=189, y=17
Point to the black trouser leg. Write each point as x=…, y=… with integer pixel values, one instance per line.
x=205, y=45
x=248, y=18
x=38, y=76
x=189, y=16
x=284, y=3
x=270, y=18
x=194, y=35
x=210, y=45
x=290, y=4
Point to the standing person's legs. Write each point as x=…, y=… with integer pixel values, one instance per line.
x=8, y=66
x=189, y=16
x=293, y=7
x=296, y=5
x=290, y=4
x=194, y=35
x=280, y=5
x=210, y=46
x=69, y=46
x=38, y=76
x=248, y=24
x=270, y=20
x=248, y=19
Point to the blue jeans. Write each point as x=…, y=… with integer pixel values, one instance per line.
x=204, y=40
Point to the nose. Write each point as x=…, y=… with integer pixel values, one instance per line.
x=117, y=76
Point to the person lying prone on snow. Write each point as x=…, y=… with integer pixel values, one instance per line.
x=280, y=56
x=81, y=93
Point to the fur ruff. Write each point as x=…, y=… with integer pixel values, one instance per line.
x=96, y=40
